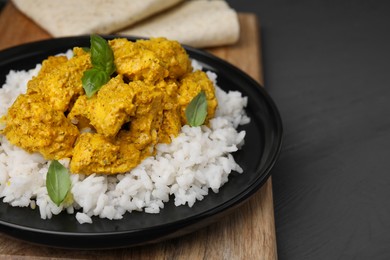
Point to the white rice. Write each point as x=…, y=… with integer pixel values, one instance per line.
x=197, y=160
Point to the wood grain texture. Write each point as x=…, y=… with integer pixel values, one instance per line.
x=247, y=233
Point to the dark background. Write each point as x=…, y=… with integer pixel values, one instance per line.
x=326, y=65
x=327, y=68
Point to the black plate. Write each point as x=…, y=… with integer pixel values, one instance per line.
x=261, y=149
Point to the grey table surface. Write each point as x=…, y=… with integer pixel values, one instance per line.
x=327, y=68
x=326, y=65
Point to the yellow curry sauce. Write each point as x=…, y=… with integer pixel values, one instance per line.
x=143, y=104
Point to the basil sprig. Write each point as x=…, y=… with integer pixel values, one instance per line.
x=196, y=110
x=58, y=182
x=102, y=59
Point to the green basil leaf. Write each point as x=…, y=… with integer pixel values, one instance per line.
x=102, y=57
x=196, y=111
x=57, y=182
x=93, y=79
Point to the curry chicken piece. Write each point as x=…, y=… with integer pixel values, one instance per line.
x=171, y=122
x=106, y=111
x=137, y=63
x=172, y=55
x=150, y=60
x=148, y=114
x=94, y=153
x=59, y=80
x=32, y=124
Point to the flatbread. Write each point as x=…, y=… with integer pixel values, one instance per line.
x=197, y=23
x=76, y=17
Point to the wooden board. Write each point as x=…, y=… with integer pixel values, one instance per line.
x=247, y=233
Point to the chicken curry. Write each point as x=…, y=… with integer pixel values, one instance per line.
x=142, y=104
